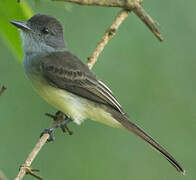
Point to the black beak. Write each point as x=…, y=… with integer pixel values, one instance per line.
x=21, y=25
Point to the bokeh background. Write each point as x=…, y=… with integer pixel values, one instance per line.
x=155, y=83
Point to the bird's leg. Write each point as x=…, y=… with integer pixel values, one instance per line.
x=63, y=125
x=66, y=129
x=51, y=130
x=61, y=120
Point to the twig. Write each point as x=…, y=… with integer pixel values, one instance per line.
x=150, y=23
x=107, y=3
x=109, y=34
x=134, y=5
x=25, y=167
x=2, y=90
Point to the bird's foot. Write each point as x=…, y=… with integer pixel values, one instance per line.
x=61, y=120
x=58, y=117
x=49, y=131
x=66, y=129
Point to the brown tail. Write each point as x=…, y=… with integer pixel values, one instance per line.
x=139, y=132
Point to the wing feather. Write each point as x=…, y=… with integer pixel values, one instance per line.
x=66, y=71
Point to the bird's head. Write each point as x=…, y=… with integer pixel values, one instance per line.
x=41, y=33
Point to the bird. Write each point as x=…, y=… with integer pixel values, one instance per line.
x=66, y=83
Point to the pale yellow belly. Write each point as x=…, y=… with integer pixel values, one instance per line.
x=74, y=106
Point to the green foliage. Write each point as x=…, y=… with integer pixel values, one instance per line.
x=11, y=10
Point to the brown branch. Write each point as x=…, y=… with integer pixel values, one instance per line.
x=134, y=5
x=2, y=90
x=109, y=34
x=25, y=168
x=150, y=23
x=106, y=3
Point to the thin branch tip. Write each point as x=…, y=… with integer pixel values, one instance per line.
x=109, y=34
x=131, y=5
x=26, y=167
x=147, y=20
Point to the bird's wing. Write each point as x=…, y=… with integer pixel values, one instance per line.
x=65, y=71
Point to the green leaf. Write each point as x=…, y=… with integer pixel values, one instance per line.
x=11, y=10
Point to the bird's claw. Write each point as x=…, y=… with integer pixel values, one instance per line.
x=61, y=120
x=65, y=129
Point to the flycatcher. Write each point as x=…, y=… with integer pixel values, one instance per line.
x=67, y=83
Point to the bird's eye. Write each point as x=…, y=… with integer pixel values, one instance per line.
x=45, y=30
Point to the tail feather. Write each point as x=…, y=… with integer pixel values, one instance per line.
x=123, y=120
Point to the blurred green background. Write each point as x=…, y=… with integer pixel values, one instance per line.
x=155, y=83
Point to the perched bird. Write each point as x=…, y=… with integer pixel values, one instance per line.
x=66, y=83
